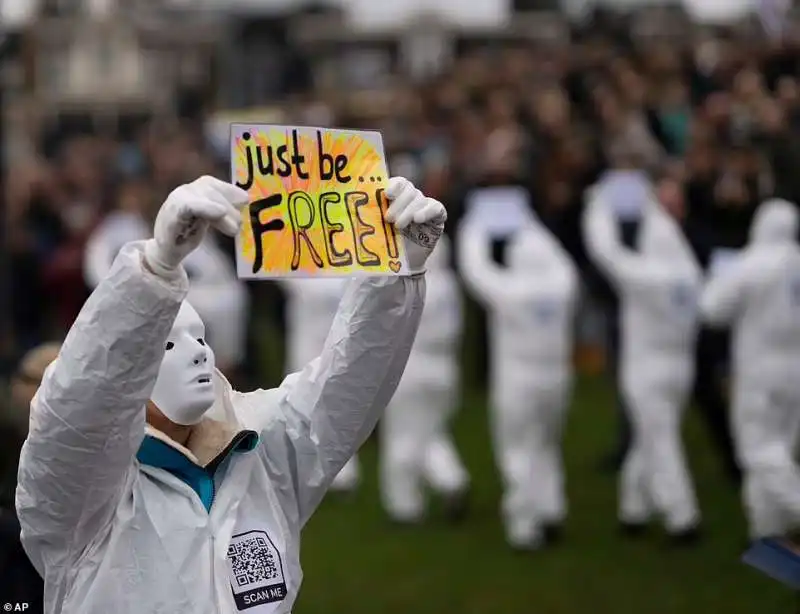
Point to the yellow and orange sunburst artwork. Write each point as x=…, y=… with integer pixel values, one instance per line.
x=375, y=246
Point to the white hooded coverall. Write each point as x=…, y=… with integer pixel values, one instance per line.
x=758, y=295
x=122, y=522
x=312, y=305
x=214, y=290
x=658, y=289
x=531, y=307
x=415, y=440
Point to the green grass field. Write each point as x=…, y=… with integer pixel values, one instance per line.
x=355, y=562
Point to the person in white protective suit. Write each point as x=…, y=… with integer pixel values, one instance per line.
x=416, y=446
x=311, y=309
x=132, y=499
x=214, y=290
x=531, y=309
x=658, y=285
x=758, y=295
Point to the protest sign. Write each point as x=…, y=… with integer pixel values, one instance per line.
x=499, y=211
x=317, y=203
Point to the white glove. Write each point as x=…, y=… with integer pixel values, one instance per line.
x=185, y=217
x=419, y=218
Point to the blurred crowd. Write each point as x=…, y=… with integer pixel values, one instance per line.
x=709, y=117
x=711, y=120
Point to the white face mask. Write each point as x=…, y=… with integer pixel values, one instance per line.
x=184, y=390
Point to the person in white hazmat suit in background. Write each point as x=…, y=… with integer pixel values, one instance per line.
x=131, y=498
x=659, y=286
x=531, y=307
x=758, y=295
x=312, y=305
x=416, y=448
x=215, y=292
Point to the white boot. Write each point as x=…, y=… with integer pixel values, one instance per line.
x=443, y=469
x=523, y=534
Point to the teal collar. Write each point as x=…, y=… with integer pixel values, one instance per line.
x=156, y=453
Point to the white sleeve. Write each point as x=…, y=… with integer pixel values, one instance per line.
x=723, y=294
x=604, y=246
x=88, y=416
x=567, y=270
x=323, y=414
x=572, y=277
x=484, y=278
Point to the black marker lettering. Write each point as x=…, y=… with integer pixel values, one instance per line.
x=388, y=232
x=298, y=159
x=259, y=228
x=263, y=158
x=301, y=232
x=268, y=168
x=249, y=155
x=285, y=169
x=328, y=166
x=354, y=201
x=325, y=160
x=335, y=257
x=341, y=163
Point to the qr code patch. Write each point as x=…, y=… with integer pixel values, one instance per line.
x=252, y=561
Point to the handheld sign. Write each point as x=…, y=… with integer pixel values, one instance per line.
x=317, y=203
x=499, y=211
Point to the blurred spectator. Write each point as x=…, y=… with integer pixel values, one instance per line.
x=35, y=231
x=669, y=192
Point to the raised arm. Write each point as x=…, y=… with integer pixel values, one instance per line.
x=483, y=277
x=566, y=272
x=603, y=244
x=88, y=416
x=318, y=418
x=723, y=294
x=328, y=409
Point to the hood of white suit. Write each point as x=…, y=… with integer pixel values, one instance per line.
x=775, y=222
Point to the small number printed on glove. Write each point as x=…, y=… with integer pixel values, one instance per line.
x=425, y=235
x=419, y=218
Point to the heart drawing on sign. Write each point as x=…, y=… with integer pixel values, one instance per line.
x=394, y=266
